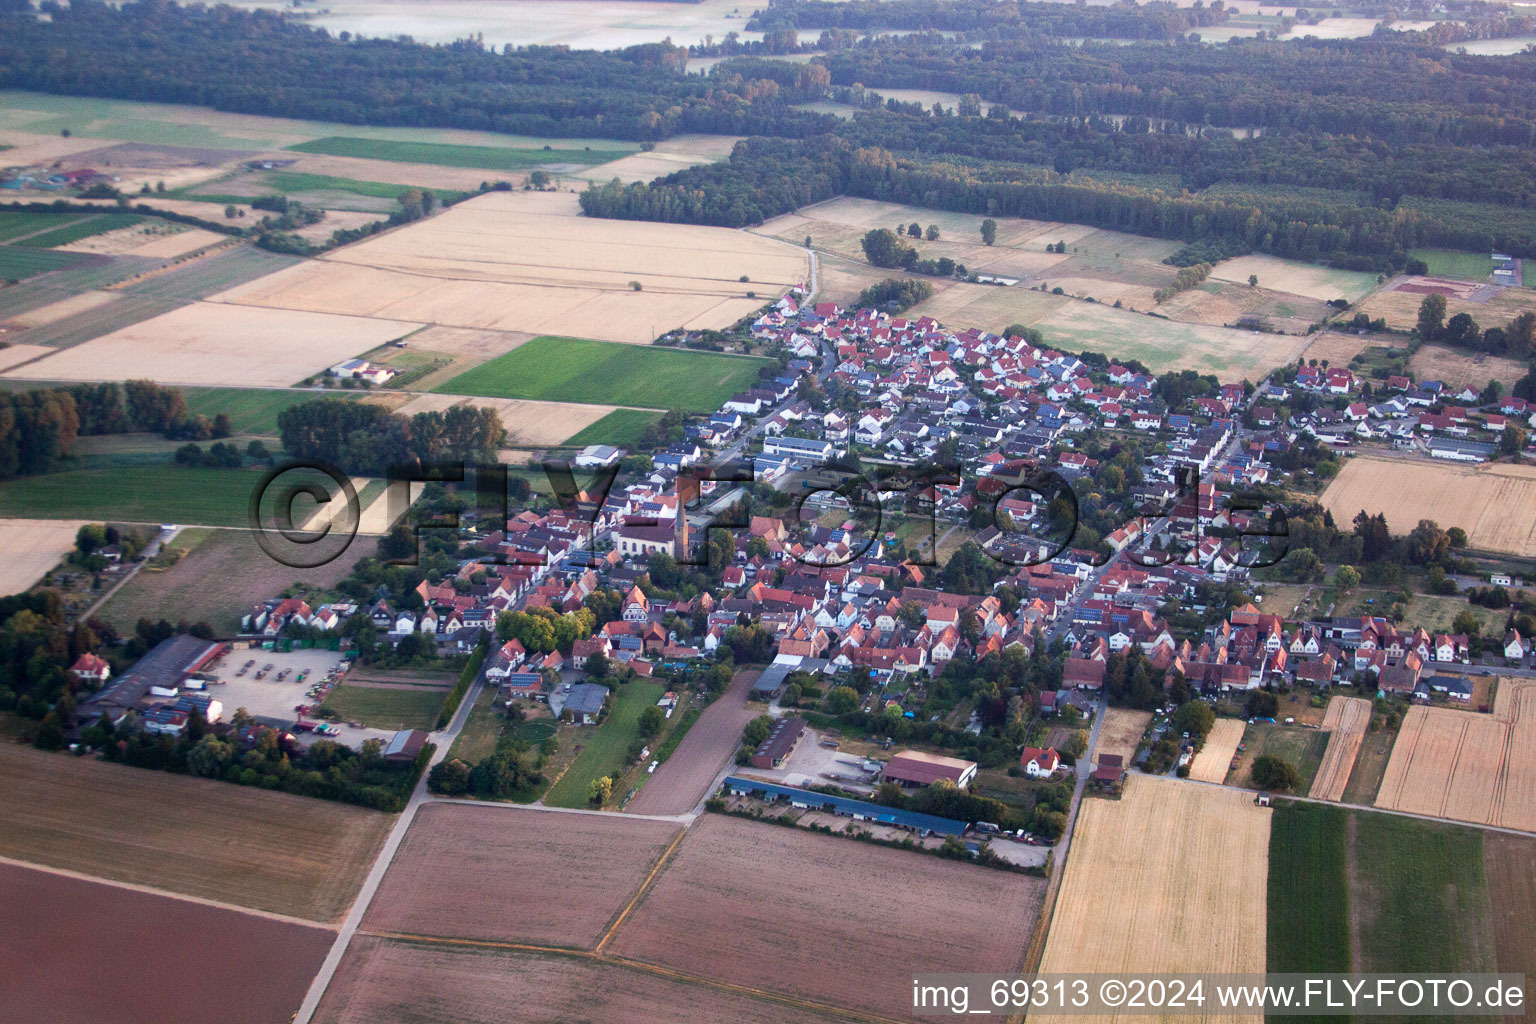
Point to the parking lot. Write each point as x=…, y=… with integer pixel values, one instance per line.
x=272, y=700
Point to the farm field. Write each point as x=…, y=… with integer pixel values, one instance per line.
x=255, y=410
x=153, y=493
x=578, y=370
x=27, y=117
x=1457, y=368
x=1215, y=757
x=218, y=577
x=213, y=840
x=1115, y=897
x=380, y=708
x=488, y=872
x=384, y=980
x=150, y=237
x=518, y=261
x=1339, y=347
x=1490, y=305
x=622, y=428
x=58, y=310
x=1469, y=266
x=30, y=547
x=670, y=155
x=15, y=355
x=1307, y=279
x=713, y=912
x=1309, y=913
x=1302, y=747
x=1121, y=732
x=1346, y=722
x=487, y=158
x=684, y=778
x=1509, y=864
x=1493, y=503
x=238, y=967
x=18, y=263
x=603, y=746
x=219, y=344
x=66, y=231
x=527, y=422
x=1419, y=896
x=1468, y=766
x=1370, y=765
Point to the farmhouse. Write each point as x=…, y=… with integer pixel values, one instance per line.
x=918, y=768
x=780, y=743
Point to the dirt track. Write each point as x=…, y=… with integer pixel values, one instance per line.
x=679, y=785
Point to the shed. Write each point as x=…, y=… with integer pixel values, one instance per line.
x=405, y=746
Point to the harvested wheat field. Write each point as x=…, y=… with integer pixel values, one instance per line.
x=432, y=983
x=30, y=547
x=1121, y=732
x=670, y=155
x=1169, y=878
x=1307, y=279
x=219, y=344
x=58, y=311
x=1495, y=504
x=515, y=874
x=719, y=910
x=528, y=423
x=1346, y=721
x=1468, y=766
x=1458, y=368
x=1214, y=760
x=527, y=261
x=213, y=840
x=15, y=355
x=148, y=238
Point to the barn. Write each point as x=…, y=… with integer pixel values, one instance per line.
x=919, y=768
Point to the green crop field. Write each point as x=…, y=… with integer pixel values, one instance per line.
x=490, y=158
x=604, y=373
x=17, y=224
x=252, y=410
x=621, y=428
x=380, y=708
x=1308, y=918
x=83, y=228
x=603, y=748
x=17, y=262
x=143, y=493
x=1423, y=901
x=1467, y=266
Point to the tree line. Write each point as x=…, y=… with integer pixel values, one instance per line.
x=362, y=437
x=39, y=427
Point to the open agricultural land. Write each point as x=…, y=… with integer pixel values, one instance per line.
x=580, y=370
x=231, y=844
x=684, y=778
x=527, y=261
x=528, y=423
x=1303, y=747
x=715, y=912
x=1215, y=757
x=1490, y=305
x=1468, y=766
x=230, y=966
x=1491, y=502
x=1345, y=722
x=1459, y=368
x=1163, y=879
x=214, y=579
x=30, y=547
x=515, y=874
x=1121, y=732
x=667, y=156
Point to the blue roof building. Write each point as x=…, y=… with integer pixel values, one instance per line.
x=860, y=809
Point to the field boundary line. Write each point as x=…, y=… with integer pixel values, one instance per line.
x=640, y=965
x=150, y=890
x=645, y=885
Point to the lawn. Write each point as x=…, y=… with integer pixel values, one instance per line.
x=380, y=708
x=491, y=158
x=609, y=373
x=17, y=262
x=621, y=428
x=64, y=234
x=1467, y=266
x=145, y=493
x=1422, y=901
x=603, y=748
x=1308, y=918
x=477, y=740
